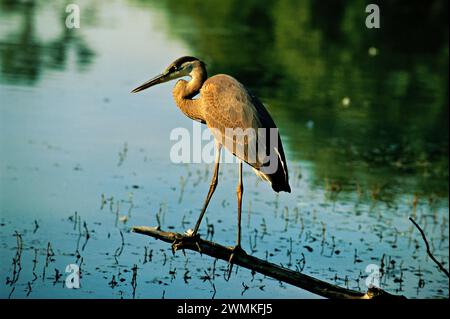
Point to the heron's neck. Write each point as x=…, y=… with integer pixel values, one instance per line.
x=184, y=92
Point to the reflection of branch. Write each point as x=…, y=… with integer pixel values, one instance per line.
x=428, y=248
x=292, y=277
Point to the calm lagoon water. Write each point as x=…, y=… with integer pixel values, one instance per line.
x=363, y=117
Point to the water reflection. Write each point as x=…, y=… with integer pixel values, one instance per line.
x=26, y=54
x=346, y=98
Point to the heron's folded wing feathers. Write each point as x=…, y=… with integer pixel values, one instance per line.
x=229, y=113
x=228, y=105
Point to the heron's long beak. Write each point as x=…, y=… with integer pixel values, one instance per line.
x=156, y=80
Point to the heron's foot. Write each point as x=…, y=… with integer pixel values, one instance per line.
x=188, y=239
x=237, y=250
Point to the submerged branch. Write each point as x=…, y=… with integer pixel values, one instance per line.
x=266, y=268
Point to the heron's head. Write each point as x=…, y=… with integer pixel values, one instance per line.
x=184, y=66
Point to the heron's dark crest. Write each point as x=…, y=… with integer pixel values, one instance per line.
x=175, y=65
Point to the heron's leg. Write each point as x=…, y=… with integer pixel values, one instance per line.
x=212, y=188
x=239, y=192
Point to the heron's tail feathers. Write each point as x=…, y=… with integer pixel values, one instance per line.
x=278, y=180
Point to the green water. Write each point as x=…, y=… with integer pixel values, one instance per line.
x=363, y=115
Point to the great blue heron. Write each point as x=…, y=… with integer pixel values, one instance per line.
x=223, y=104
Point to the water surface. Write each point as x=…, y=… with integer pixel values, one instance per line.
x=363, y=117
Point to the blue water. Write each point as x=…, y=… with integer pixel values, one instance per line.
x=65, y=116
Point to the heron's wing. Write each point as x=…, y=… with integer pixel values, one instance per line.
x=229, y=113
x=242, y=124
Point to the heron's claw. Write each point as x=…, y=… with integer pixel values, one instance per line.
x=237, y=250
x=187, y=239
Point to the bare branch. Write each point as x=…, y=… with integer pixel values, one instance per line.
x=289, y=276
x=428, y=247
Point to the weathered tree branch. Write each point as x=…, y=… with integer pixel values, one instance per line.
x=266, y=268
x=445, y=271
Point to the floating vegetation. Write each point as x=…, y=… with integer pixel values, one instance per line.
x=123, y=154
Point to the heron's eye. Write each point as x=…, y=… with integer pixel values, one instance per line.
x=173, y=68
